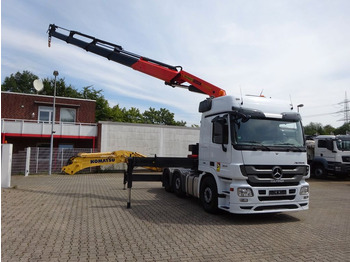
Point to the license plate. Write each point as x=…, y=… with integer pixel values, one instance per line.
x=277, y=192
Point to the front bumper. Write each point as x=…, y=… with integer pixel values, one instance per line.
x=269, y=199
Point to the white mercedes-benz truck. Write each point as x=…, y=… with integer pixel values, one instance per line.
x=329, y=155
x=251, y=156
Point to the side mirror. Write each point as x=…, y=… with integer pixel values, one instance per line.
x=245, y=118
x=236, y=115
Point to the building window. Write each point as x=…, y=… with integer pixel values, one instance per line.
x=68, y=115
x=65, y=146
x=45, y=114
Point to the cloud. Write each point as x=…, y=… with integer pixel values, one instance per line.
x=91, y=69
x=285, y=48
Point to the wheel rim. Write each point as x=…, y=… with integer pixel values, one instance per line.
x=208, y=195
x=177, y=183
x=319, y=172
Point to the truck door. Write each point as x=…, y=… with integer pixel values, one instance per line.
x=325, y=148
x=220, y=156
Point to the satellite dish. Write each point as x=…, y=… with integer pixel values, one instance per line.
x=38, y=85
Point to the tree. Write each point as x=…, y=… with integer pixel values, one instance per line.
x=180, y=123
x=343, y=130
x=62, y=89
x=133, y=115
x=328, y=129
x=166, y=117
x=161, y=117
x=20, y=83
x=103, y=111
x=318, y=129
x=23, y=83
x=313, y=129
x=151, y=116
x=118, y=114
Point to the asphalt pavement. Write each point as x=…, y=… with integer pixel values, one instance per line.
x=84, y=218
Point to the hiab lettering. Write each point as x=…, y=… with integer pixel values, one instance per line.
x=95, y=161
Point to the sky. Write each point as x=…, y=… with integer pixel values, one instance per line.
x=293, y=50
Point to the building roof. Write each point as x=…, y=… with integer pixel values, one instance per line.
x=38, y=95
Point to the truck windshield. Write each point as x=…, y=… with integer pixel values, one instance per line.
x=343, y=144
x=267, y=134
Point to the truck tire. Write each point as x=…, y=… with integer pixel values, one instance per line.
x=177, y=184
x=209, y=195
x=166, y=180
x=320, y=171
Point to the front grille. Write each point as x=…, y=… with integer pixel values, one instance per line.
x=262, y=208
x=265, y=175
x=271, y=184
x=346, y=158
x=273, y=198
x=268, y=175
x=276, y=194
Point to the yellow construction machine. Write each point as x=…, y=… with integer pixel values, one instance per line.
x=85, y=160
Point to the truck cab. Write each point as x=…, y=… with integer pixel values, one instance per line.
x=330, y=155
x=254, y=148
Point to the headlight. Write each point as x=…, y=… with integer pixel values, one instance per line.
x=244, y=192
x=307, y=170
x=304, y=190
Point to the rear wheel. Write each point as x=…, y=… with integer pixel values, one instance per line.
x=320, y=171
x=166, y=180
x=177, y=184
x=209, y=195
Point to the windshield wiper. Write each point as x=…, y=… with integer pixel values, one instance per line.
x=256, y=145
x=294, y=147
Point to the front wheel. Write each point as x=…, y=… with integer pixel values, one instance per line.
x=209, y=195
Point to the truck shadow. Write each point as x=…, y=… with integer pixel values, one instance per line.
x=329, y=178
x=166, y=208
x=188, y=210
x=72, y=195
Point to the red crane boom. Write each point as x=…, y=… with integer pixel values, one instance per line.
x=172, y=75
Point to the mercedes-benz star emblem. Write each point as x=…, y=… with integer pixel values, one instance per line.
x=277, y=172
